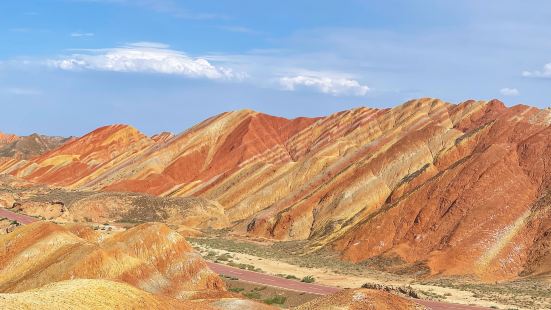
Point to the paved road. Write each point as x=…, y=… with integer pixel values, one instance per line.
x=260, y=278
x=264, y=279
x=23, y=219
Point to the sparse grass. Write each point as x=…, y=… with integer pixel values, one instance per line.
x=294, y=253
x=244, y=266
x=432, y=295
x=267, y=294
x=524, y=293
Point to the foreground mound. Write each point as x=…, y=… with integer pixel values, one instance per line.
x=361, y=299
x=151, y=257
x=92, y=294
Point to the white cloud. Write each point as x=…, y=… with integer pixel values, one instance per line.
x=336, y=86
x=239, y=29
x=509, y=91
x=82, y=34
x=146, y=57
x=545, y=73
x=21, y=29
x=19, y=91
x=171, y=7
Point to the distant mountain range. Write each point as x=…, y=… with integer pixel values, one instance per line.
x=446, y=189
x=27, y=147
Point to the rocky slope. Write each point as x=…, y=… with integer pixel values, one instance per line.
x=66, y=206
x=450, y=189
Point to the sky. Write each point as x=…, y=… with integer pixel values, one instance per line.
x=70, y=66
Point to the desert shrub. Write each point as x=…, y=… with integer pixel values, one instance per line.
x=224, y=257
x=236, y=289
x=308, y=279
x=277, y=300
x=252, y=295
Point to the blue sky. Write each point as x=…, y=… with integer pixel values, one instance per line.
x=69, y=66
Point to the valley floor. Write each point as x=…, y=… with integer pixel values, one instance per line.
x=288, y=260
x=285, y=260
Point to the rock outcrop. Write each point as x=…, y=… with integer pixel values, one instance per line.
x=360, y=299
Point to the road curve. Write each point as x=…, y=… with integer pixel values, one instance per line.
x=293, y=285
x=264, y=279
x=22, y=219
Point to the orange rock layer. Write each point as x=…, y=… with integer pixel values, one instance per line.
x=460, y=188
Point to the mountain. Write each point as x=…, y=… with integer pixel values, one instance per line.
x=7, y=138
x=452, y=189
x=27, y=147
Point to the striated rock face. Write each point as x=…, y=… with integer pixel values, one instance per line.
x=473, y=208
x=456, y=189
x=119, y=158
x=150, y=257
x=162, y=137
